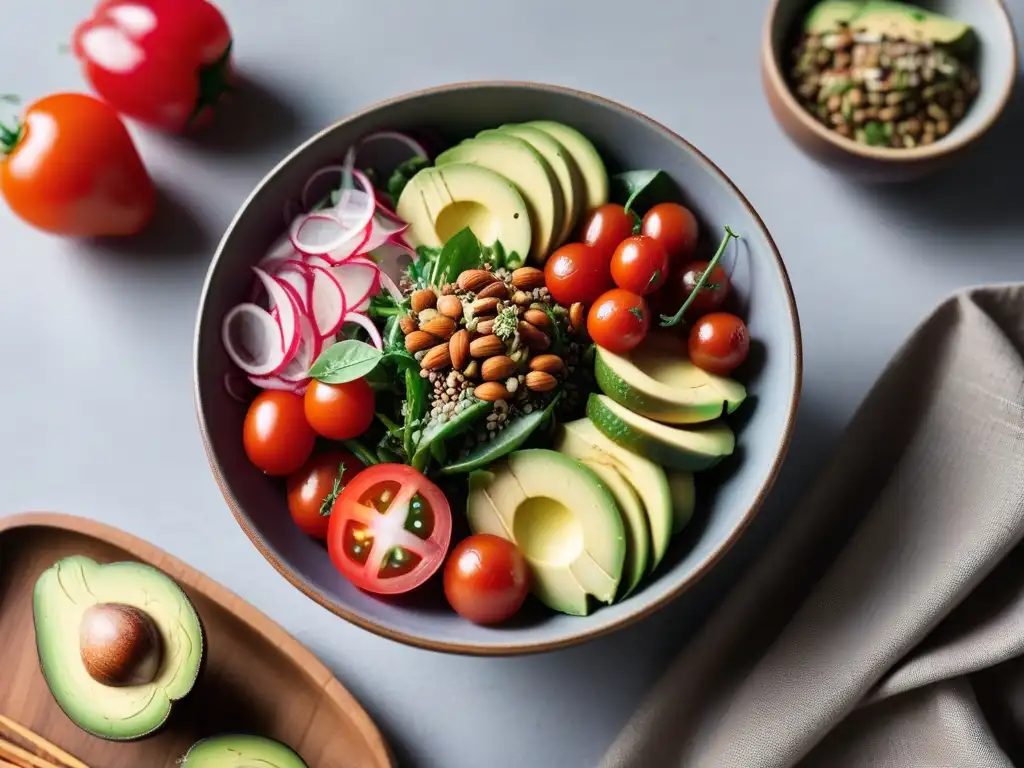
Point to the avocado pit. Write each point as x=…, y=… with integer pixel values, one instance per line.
x=120, y=645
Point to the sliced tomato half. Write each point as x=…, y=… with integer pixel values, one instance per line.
x=390, y=529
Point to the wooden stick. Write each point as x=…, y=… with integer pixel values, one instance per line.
x=69, y=760
x=5, y=764
x=17, y=752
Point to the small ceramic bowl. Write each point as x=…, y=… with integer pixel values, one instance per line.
x=997, y=72
x=728, y=497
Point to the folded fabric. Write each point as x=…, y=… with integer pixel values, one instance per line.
x=884, y=626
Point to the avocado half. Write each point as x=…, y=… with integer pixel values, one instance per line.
x=237, y=750
x=75, y=588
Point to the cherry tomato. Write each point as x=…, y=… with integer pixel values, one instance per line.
x=313, y=489
x=165, y=63
x=71, y=169
x=640, y=265
x=606, y=227
x=711, y=297
x=618, y=321
x=389, y=530
x=276, y=436
x=719, y=342
x=577, y=272
x=339, y=411
x=486, y=579
x=675, y=227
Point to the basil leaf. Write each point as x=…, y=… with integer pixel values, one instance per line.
x=345, y=361
x=459, y=423
x=639, y=190
x=508, y=440
x=462, y=251
x=415, y=406
x=361, y=452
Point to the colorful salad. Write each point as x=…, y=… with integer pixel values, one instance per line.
x=501, y=332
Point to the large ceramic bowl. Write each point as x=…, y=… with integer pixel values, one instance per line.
x=729, y=499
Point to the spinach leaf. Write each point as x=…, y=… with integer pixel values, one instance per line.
x=345, y=361
x=361, y=452
x=557, y=340
x=508, y=440
x=462, y=251
x=401, y=359
x=384, y=305
x=459, y=423
x=639, y=190
x=415, y=407
x=403, y=173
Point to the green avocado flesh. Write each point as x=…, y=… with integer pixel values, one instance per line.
x=564, y=521
x=828, y=15
x=63, y=593
x=657, y=380
x=890, y=18
x=241, y=751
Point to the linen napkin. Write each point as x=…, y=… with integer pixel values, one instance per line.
x=884, y=626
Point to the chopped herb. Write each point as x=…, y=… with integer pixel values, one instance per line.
x=505, y=324
x=330, y=498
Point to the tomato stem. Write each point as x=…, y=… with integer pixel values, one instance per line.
x=9, y=137
x=213, y=82
x=667, y=321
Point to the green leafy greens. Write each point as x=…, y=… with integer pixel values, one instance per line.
x=345, y=361
x=639, y=190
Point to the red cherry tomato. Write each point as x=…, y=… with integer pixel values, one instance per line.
x=618, y=321
x=675, y=227
x=606, y=227
x=71, y=169
x=711, y=297
x=276, y=436
x=577, y=272
x=339, y=411
x=486, y=579
x=389, y=530
x=313, y=489
x=719, y=342
x=165, y=63
x=640, y=265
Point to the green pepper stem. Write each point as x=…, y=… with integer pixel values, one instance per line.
x=667, y=321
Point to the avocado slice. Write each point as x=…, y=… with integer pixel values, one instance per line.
x=527, y=169
x=581, y=440
x=903, y=20
x=563, y=520
x=564, y=167
x=684, y=499
x=588, y=160
x=638, y=533
x=691, y=450
x=828, y=15
x=237, y=750
x=74, y=590
x=440, y=202
x=657, y=380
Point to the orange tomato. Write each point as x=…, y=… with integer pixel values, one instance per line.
x=72, y=169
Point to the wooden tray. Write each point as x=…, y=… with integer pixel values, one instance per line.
x=258, y=679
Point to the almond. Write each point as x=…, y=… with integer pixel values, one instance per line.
x=539, y=381
x=498, y=368
x=491, y=391
x=458, y=349
x=417, y=341
x=576, y=317
x=485, y=306
x=423, y=299
x=527, y=278
x=522, y=298
x=547, y=364
x=408, y=324
x=533, y=337
x=538, y=317
x=485, y=327
x=441, y=326
x=450, y=306
x=437, y=357
x=487, y=346
x=496, y=290
x=472, y=280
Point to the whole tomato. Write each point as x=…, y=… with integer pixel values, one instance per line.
x=71, y=168
x=719, y=342
x=486, y=579
x=577, y=272
x=711, y=297
x=675, y=227
x=606, y=227
x=275, y=435
x=165, y=63
x=313, y=489
x=618, y=321
x=339, y=411
x=640, y=265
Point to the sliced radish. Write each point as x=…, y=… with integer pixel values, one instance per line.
x=328, y=302
x=275, y=382
x=287, y=313
x=382, y=230
x=316, y=187
x=359, y=279
x=367, y=325
x=308, y=349
x=252, y=339
x=318, y=233
x=393, y=260
x=299, y=277
x=237, y=386
x=386, y=150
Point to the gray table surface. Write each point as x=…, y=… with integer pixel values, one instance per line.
x=96, y=343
